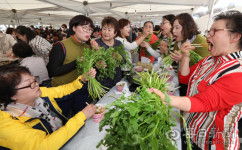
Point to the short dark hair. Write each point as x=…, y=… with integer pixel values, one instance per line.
x=79, y=20
x=22, y=50
x=189, y=27
x=169, y=17
x=122, y=23
x=9, y=30
x=234, y=22
x=64, y=25
x=10, y=77
x=22, y=30
x=111, y=21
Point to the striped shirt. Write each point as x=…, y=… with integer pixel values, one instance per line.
x=215, y=92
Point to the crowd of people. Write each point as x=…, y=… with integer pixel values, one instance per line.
x=44, y=100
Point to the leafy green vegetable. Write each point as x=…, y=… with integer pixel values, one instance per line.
x=101, y=57
x=107, y=56
x=140, y=121
x=84, y=64
x=194, y=57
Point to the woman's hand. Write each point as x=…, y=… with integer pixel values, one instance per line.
x=145, y=44
x=92, y=72
x=176, y=56
x=101, y=64
x=163, y=48
x=89, y=110
x=159, y=93
x=185, y=48
x=117, y=56
x=94, y=44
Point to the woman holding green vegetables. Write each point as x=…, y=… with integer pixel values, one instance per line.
x=213, y=102
x=109, y=32
x=167, y=42
x=123, y=34
x=150, y=43
x=62, y=60
x=185, y=30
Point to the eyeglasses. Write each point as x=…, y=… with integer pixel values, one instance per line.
x=32, y=84
x=211, y=32
x=86, y=29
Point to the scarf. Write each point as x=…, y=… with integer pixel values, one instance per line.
x=190, y=40
x=41, y=110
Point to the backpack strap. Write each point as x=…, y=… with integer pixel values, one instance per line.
x=63, y=46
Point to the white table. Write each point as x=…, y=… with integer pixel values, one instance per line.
x=89, y=136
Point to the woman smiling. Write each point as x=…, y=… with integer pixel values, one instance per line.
x=30, y=116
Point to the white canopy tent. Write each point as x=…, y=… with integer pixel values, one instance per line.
x=56, y=12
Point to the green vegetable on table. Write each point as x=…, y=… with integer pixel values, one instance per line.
x=141, y=121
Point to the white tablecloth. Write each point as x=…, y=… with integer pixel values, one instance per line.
x=89, y=136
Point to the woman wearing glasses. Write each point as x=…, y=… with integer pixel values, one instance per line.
x=62, y=63
x=30, y=116
x=213, y=102
x=167, y=43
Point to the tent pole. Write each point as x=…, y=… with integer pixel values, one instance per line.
x=210, y=9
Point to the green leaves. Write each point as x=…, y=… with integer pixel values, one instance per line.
x=137, y=122
x=140, y=121
x=84, y=64
x=194, y=57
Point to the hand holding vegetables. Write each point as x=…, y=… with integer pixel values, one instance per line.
x=92, y=72
x=159, y=93
x=117, y=56
x=185, y=48
x=94, y=44
x=145, y=44
x=163, y=48
x=101, y=64
x=176, y=56
x=89, y=111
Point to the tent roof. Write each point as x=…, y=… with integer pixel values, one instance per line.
x=56, y=12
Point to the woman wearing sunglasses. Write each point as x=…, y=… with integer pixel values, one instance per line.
x=213, y=102
x=30, y=116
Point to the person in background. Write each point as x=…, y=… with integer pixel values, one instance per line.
x=62, y=64
x=133, y=30
x=186, y=30
x=36, y=65
x=65, y=30
x=96, y=33
x=214, y=98
x=108, y=32
x=157, y=30
x=40, y=46
x=11, y=32
x=30, y=117
x=146, y=50
x=124, y=32
x=167, y=43
x=6, y=43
